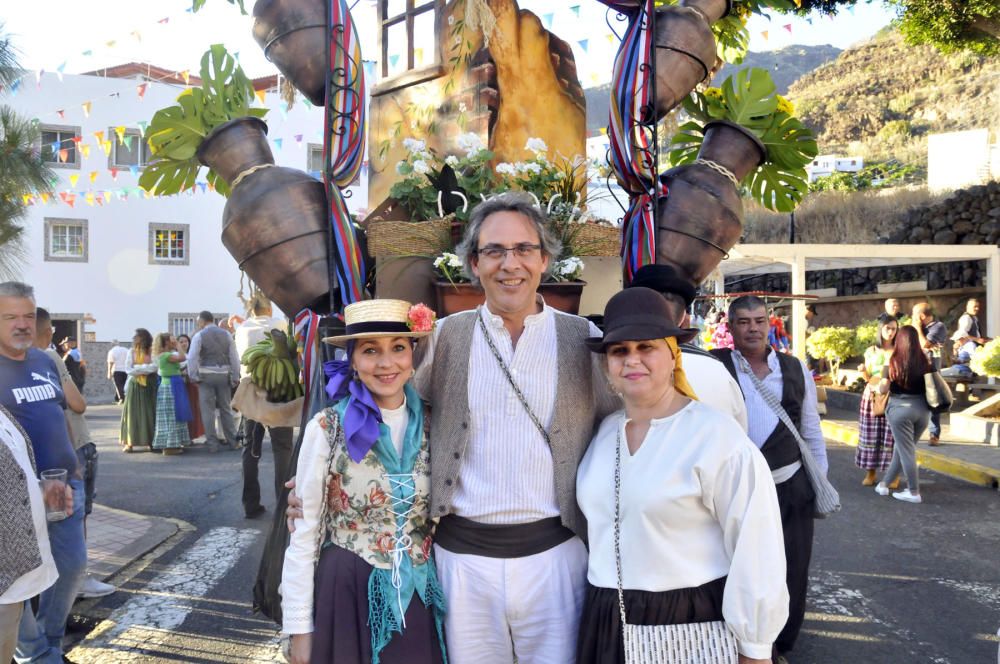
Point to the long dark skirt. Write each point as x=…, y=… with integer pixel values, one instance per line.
x=600, y=639
x=341, y=634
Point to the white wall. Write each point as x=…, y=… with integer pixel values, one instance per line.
x=117, y=285
x=958, y=159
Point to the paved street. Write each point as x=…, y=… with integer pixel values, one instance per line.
x=892, y=582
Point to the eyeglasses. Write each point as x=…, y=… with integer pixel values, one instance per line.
x=496, y=252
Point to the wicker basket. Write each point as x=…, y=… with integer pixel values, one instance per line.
x=408, y=238
x=597, y=240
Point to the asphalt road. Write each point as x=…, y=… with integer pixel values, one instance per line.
x=891, y=581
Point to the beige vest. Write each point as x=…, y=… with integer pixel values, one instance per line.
x=581, y=403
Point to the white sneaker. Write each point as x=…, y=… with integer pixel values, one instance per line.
x=881, y=489
x=93, y=588
x=907, y=496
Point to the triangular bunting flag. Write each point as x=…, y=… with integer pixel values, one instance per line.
x=60, y=69
x=575, y=9
x=70, y=200
x=128, y=143
x=120, y=132
x=63, y=155
x=93, y=177
x=114, y=174
x=298, y=138
x=107, y=148
x=788, y=26
x=133, y=169
x=418, y=56
x=283, y=107
x=261, y=94
x=547, y=18
x=107, y=196
x=851, y=10
x=164, y=21
x=186, y=75
x=61, y=113
x=764, y=35
x=76, y=139
x=135, y=33
x=85, y=151
x=583, y=44
x=141, y=90
x=87, y=105
x=45, y=198
x=142, y=126
x=203, y=186
x=26, y=199
x=308, y=103
x=809, y=21
x=90, y=198
x=393, y=59
x=610, y=38
x=277, y=142
x=73, y=179
x=99, y=135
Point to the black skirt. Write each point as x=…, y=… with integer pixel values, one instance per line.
x=341, y=634
x=600, y=640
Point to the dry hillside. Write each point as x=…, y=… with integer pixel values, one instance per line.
x=882, y=98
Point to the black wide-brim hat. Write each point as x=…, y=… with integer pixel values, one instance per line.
x=664, y=279
x=638, y=314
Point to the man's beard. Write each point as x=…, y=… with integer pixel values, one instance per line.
x=24, y=343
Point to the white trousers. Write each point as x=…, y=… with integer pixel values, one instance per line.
x=502, y=608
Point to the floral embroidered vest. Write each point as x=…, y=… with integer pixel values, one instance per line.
x=358, y=512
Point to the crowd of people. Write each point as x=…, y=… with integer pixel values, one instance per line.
x=508, y=484
x=894, y=409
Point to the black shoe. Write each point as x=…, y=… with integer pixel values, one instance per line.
x=255, y=512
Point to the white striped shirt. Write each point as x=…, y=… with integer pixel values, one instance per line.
x=507, y=476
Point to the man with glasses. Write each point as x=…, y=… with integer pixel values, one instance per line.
x=516, y=396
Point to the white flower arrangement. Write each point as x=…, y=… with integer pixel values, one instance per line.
x=568, y=269
x=537, y=146
x=449, y=266
x=451, y=160
x=414, y=145
x=471, y=143
x=420, y=167
x=505, y=168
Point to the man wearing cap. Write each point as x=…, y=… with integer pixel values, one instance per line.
x=713, y=385
x=515, y=397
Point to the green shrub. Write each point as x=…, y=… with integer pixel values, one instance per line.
x=833, y=344
x=903, y=103
x=986, y=360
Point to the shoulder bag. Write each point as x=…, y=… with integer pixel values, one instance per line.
x=686, y=643
x=937, y=392
x=827, y=498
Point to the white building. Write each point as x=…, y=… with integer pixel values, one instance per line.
x=828, y=164
x=961, y=159
x=103, y=255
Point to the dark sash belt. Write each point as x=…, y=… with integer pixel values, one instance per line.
x=460, y=535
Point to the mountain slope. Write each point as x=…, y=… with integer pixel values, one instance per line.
x=880, y=99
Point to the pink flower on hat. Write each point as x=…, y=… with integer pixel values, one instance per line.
x=420, y=318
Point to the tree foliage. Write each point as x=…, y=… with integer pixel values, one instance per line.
x=951, y=25
x=22, y=170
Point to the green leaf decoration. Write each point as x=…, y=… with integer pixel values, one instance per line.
x=751, y=97
x=175, y=133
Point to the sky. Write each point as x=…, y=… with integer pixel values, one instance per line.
x=80, y=36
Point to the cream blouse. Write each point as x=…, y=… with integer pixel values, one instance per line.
x=697, y=503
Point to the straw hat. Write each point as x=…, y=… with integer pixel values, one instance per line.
x=371, y=319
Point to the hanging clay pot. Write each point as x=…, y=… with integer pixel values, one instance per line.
x=274, y=223
x=701, y=218
x=712, y=10
x=293, y=36
x=685, y=52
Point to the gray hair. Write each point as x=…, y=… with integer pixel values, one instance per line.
x=746, y=303
x=17, y=289
x=511, y=201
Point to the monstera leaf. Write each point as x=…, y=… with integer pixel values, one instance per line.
x=750, y=97
x=175, y=133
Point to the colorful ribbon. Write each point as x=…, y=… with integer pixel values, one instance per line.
x=633, y=146
x=344, y=145
x=307, y=338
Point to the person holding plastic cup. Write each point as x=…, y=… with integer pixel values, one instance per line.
x=31, y=390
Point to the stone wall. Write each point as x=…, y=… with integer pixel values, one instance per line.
x=969, y=216
x=957, y=274
x=98, y=389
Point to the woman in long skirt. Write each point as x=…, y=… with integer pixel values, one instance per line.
x=195, y=428
x=139, y=414
x=875, y=441
x=172, y=408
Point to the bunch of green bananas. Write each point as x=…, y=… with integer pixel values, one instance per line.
x=273, y=365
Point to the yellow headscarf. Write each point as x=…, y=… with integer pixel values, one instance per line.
x=681, y=383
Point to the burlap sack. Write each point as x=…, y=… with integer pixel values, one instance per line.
x=251, y=401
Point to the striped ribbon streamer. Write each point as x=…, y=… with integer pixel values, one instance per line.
x=632, y=142
x=344, y=145
x=306, y=336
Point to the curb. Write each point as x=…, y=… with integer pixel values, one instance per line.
x=960, y=470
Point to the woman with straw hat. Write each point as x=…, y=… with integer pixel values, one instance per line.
x=363, y=545
x=682, y=514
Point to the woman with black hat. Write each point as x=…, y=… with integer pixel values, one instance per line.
x=682, y=514
x=362, y=548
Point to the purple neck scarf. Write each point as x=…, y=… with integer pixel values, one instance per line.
x=361, y=416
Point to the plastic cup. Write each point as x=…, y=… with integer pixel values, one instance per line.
x=53, y=484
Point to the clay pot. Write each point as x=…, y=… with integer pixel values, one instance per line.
x=562, y=295
x=274, y=223
x=293, y=36
x=712, y=10
x=685, y=53
x=701, y=218
x=452, y=298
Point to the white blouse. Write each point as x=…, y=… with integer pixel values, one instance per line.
x=697, y=503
